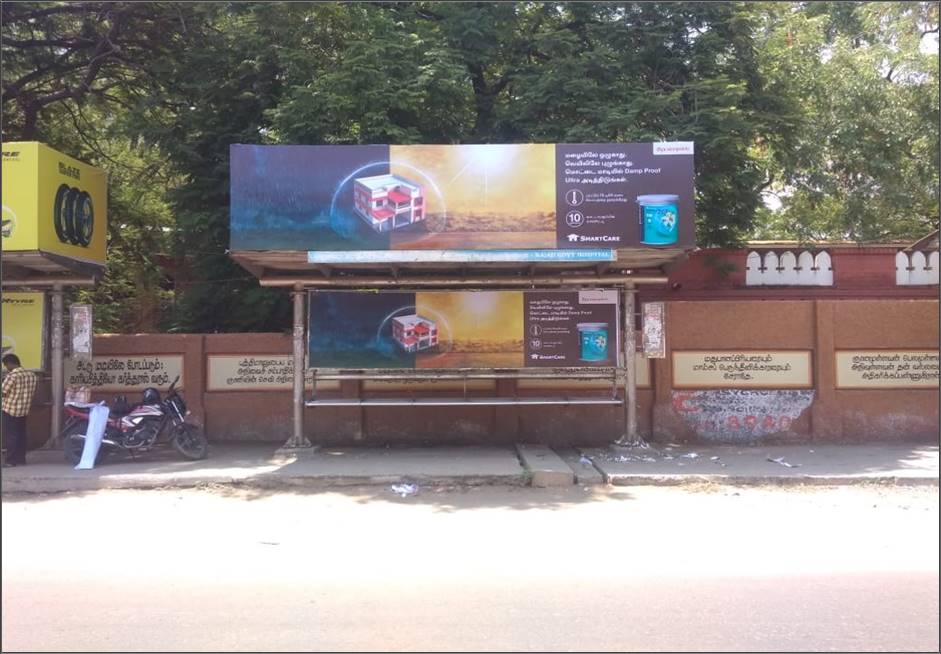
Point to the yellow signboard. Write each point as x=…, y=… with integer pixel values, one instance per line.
x=748, y=369
x=24, y=319
x=887, y=369
x=53, y=203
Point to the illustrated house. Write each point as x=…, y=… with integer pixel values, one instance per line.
x=414, y=333
x=387, y=202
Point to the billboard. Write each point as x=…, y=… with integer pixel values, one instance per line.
x=24, y=327
x=463, y=329
x=400, y=199
x=53, y=203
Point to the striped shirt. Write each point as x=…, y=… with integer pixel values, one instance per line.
x=19, y=386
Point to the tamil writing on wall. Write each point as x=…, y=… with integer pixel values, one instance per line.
x=887, y=369
x=124, y=373
x=742, y=369
x=255, y=372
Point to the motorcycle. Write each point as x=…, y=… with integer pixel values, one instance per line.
x=138, y=428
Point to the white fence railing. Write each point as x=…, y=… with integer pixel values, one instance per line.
x=916, y=268
x=804, y=269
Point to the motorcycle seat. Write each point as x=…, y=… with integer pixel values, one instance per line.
x=121, y=407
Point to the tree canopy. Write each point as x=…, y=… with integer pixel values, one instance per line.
x=812, y=120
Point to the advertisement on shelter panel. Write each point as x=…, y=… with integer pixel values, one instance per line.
x=463, y=329
x=462, y=197
x=24, y=327
x=53, y=203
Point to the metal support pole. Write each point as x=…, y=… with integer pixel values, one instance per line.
x=58, y=376
x=298, y=440
x=630, y=437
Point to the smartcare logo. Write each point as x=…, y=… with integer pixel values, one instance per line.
x=673, y=147
x=69, y=171
x=580, y=238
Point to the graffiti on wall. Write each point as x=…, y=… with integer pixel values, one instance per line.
x=740, y=416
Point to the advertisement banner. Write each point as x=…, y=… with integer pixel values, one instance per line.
x=461, y=198
x=80, y=331
x=53, y=203
x=654, y=333
x=463, y=329
x=20, y=197
x=24, y=327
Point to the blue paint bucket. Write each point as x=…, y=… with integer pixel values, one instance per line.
x=593, y=337
x=659, y=219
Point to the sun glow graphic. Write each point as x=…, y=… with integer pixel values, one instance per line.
x=497, y=179
x=486, y=160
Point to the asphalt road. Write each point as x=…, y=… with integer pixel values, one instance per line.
x=716, y=569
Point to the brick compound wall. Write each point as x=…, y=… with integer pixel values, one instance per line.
x=815, y=411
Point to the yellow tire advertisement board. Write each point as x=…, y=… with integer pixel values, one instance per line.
x=24, y=322
x=53, y=203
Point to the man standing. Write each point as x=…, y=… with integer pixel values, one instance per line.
x=19, y=386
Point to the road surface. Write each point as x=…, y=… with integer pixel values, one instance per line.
x=710, y=568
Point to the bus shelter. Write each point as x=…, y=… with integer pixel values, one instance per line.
x=463, y=262
x=54, y=237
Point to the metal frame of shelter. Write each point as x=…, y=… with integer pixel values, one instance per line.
x=273, y=271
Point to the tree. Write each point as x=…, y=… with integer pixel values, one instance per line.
x=861, y=162
x=71, y=70
x=830, y=107
x=54, y=53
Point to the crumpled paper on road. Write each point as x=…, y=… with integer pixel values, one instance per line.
x=404, y=490
x=780, y=461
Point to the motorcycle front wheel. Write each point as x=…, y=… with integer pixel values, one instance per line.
x=190, y=441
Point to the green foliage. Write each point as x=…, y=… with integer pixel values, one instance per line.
x=831, y=107
x=860, y=160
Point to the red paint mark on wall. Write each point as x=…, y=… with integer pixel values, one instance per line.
x=740, y=416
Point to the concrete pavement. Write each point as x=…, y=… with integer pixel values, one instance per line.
x=259, y=465
x=806, y=464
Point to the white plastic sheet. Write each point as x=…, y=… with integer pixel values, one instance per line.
x=97, y=421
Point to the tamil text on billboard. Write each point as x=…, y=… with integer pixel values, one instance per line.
x=463, y=329
x=462, y=197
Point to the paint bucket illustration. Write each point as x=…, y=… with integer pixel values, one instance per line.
x=593, y=337
x=659, y=219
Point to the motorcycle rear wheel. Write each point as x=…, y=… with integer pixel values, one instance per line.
x=73, y=443
x=190, y=441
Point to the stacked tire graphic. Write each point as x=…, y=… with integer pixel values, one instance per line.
x=73, y=216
